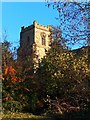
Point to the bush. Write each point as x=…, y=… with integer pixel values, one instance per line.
x=12, y=106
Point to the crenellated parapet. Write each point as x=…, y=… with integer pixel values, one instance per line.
x=39, y=26
x=23, y=29
x=36, y=25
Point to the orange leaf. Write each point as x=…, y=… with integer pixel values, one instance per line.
x=10, y=70
x=6, y=71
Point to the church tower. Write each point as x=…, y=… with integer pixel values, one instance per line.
x=34, y=39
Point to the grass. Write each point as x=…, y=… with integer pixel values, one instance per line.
x=20, y=116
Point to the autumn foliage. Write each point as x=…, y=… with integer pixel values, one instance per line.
x=11, y=72
x=59, y=86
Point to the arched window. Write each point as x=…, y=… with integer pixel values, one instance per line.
x=43, y=37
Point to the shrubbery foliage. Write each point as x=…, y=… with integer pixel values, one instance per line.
x=60, y=85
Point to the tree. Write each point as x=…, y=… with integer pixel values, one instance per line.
x=64, y=75
x=7, y=56
x=9, y=79
x=18, y=83
x=73, y=20
x=57, y=38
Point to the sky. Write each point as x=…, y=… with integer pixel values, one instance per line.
x=18, y=14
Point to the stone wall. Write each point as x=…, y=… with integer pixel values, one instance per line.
x=30, y=37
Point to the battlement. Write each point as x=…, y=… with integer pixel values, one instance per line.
x=48, y=28
x=35, y=24
x=23, y=29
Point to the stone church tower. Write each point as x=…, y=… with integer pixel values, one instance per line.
x=34, y=41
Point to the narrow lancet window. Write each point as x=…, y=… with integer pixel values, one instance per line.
x=43, y=36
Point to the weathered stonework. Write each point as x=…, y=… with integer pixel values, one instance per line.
x=31, y=38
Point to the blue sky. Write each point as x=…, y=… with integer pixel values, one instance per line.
x=18, y=14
